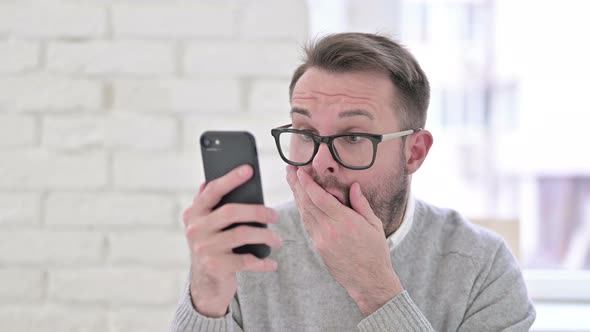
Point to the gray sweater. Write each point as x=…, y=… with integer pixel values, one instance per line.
x=456, y=276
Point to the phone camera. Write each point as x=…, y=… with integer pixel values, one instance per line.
x=206, y=142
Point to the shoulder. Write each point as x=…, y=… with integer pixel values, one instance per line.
x=452, y=233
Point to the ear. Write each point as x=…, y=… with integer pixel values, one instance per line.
x=416, y=149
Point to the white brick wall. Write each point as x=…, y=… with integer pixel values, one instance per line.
x=27, y=247
x=45, y=93
x=20, y=285
x=111, y=58
x=244, y=58
x=101, y=107
x=126, y=286
x=196, y=95
x=17, y=131
x=47, y=19
x=20, y=209
x=17, y=55
x=42, y=169
x=45, y=318
x=109, y=210
x=174, y=20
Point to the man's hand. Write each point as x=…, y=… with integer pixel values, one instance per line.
x=213, y=264
x=350, y=241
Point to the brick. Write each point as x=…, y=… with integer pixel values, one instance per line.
x=157, y=172
x=115, y=286
x=20, y=285
x=167, y=248
x=256, y=59
x=73, y=132
x=119, y=130
x=18, y=55
x=50, y=317
x=41, y=93
x=210, y=95
x=173, y=20
x=274, y=19
x=36, y=169
x=19, y=209
x=17, y=131
x=111, y=58
x=269, y=96
x=50, y=247
x=53, y=20
x=126, y=130
x=140, y=319
x=109, y=209
x=259, y=126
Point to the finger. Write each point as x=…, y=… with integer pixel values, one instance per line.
x=230, y=263
x=304, y=204
x=249, y=262
x=361, y=205
x=225, y=216
x=232, y=213
x=292, y=181
x=188, y=212
x=203, y=185
x=186, y=216
x=221, y=186
x=291, y=177
x=326, y=203
x=227, y=240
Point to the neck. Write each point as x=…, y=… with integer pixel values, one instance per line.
x=396, y=221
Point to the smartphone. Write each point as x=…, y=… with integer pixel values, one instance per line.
x=222, y=151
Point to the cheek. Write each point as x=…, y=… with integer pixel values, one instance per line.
x=388, y=157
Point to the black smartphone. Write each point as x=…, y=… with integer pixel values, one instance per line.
x=222, y=151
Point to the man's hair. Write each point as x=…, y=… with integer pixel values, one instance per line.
x=354, y=52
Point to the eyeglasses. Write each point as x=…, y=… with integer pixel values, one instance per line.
x=355, y=151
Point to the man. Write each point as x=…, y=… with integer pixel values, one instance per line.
x=355, y=251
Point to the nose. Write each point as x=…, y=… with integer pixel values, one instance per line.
x=323, y=162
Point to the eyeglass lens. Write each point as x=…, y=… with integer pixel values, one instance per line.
x=356, y=151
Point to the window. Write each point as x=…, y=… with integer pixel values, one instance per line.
x=509, y=112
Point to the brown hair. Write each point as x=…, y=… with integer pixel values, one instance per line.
x=349, y=52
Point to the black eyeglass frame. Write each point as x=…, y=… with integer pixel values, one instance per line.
x=329, y=140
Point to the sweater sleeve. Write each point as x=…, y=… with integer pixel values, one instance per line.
x=399, y=314
x=500, y=300
x=187, y=319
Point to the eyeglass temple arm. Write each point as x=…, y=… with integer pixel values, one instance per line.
x=400, y=134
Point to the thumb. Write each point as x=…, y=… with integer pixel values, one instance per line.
x=361, y=205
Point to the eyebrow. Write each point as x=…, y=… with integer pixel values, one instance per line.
x=300, y=111
x=345, y=114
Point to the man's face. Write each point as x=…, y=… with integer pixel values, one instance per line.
x=333, y=103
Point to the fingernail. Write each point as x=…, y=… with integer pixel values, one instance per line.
x=243, y=170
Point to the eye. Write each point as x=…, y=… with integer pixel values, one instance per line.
x=353, y=139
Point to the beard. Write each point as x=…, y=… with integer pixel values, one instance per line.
x=387, y=196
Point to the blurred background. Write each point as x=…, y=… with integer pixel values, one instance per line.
x=102, y=103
